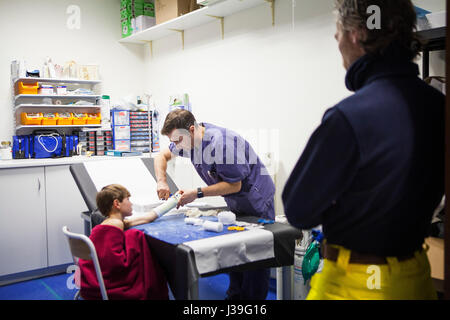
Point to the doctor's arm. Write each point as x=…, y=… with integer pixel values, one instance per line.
x=219, y=189
x=160, y=172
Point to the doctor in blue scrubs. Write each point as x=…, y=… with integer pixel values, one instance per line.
x=230, y=167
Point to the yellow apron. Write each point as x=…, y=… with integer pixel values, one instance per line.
x=397, y=280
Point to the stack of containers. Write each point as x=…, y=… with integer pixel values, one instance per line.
x=140, y=128
x=136, y=15
x=86, y=139
x=108, y=140
x=82, y=139
x=121, y=130
x=103, y=142
x=91, y=143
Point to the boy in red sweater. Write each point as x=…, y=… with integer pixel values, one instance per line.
x=128, y=268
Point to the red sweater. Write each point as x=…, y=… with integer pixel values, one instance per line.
x=129, y=270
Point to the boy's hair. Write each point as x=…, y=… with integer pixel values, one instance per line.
x=107, y=195
x=178, y=119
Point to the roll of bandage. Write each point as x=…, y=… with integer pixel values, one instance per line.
x=195, y=221
x=168, y=205
x=213, y=226
x=227, y=217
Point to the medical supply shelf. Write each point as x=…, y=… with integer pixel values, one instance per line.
x=61, y=96
x=216, y=11
x=59, y=126
x=19, y=104
x=434, y=41
x=56, y=106
x=56, y=80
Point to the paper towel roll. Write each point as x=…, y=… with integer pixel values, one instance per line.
x=213, y=226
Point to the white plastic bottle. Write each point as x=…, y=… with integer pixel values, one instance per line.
x=106, y=112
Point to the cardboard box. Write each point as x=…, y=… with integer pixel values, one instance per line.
x=166, y=10
x=436, y=257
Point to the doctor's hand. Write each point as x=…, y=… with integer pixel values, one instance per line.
x=163, y=190
x=187, y=197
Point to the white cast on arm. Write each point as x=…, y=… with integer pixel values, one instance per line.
x=168, y=205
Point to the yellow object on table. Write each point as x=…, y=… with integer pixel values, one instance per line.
x=236, y=228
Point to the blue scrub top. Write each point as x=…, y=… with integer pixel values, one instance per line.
x=226, y=156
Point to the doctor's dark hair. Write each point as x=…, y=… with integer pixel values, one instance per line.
x=107, y=195
x=398, y=24
x=178, y=119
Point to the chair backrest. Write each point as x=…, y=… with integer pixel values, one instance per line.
x=82, y=247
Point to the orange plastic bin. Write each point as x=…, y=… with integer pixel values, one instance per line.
x=49, y=119
x=27, y=88
x=31, y=118
x=64, y=119
x=94, y=118
x=79, y=118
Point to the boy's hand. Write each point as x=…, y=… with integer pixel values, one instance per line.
x=187, y=197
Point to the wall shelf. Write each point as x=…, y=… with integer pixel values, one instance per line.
x=64, y=106
x=60, y=96
x=56, y=80
x=59, y=126
x=196, y=18
x=434, y=40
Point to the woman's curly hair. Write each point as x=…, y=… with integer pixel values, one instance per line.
x=398, y=24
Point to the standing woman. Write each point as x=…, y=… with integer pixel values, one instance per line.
x=373, y=172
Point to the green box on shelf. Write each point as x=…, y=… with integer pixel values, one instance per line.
x=149, y=9
x=137, y=13
x=125, y=15
x=142, y=1
x=126, y=28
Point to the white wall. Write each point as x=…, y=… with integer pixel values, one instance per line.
x=259, y=77
x=34, y=29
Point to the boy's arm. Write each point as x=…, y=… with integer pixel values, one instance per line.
x=135, y=221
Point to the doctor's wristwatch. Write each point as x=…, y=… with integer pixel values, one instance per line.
x=199, y=193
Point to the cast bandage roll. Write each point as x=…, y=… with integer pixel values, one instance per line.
x=213, y=226
x=168, y=205
x=227, y=217
x=194, y=221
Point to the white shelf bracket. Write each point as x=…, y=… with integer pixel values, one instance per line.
x=182, y=36
x=150, y=45
x=272, y=7
x=222, y=24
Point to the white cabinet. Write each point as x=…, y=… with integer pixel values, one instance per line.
x=23, y=232
x=64, y=206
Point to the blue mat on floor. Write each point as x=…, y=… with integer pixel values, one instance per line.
x=55, y=288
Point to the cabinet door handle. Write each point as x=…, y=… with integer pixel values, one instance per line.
x=39, y=184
